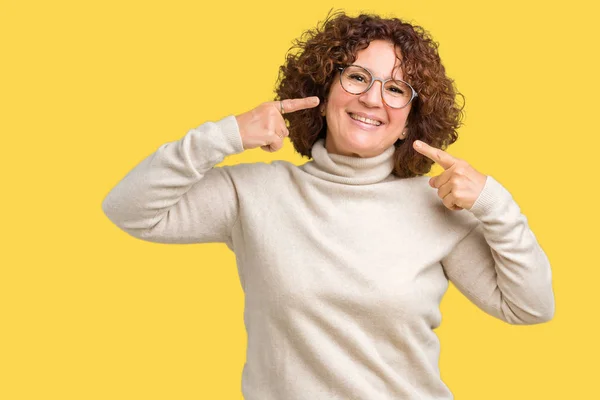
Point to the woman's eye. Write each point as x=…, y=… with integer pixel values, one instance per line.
x=357, y=77
x=396, y=90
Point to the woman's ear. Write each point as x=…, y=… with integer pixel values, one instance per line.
x=322, y=109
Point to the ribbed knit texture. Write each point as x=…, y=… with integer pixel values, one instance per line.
x=343, y=265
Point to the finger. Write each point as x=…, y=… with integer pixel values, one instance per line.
x=441, y=179
x=273, y=146
x=276, y=145
x=291, y=105
x=282, y=132
x=277, y=129
x=444, y=190
x=450, y=202
x=444, y=159
x=447, y=192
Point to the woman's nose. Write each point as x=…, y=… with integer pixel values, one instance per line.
x=372, y=97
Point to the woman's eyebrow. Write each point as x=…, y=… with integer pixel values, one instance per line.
x=375, y=75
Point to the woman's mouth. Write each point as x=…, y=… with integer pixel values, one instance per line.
x=365, y=123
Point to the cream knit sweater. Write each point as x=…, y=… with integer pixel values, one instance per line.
x=343, y=264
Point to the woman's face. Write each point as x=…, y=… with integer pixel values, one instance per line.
x=349, y=137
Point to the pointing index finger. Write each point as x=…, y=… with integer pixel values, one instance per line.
x=291, y=105
x=444, y=159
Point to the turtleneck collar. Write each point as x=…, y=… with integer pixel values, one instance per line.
x=347, y=169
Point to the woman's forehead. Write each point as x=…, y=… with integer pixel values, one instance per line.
x=382, y=58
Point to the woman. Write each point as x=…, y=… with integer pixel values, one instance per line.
x=344, y=260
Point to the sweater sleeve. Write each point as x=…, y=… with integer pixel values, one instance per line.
x=499, y=264
x=175, y=195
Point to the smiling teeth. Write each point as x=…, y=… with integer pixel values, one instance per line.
x=365, y=120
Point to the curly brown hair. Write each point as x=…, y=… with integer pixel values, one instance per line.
x=310, y=69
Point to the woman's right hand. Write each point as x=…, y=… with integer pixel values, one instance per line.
x=264, y=125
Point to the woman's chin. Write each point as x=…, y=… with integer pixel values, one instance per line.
x=359, y=148
x=361, y=142
x=356, y=142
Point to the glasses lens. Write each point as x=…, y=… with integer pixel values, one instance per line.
x=357, y=80
x=396, y=93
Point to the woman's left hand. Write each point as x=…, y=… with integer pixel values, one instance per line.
x=460, y=184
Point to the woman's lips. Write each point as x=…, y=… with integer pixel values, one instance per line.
x=363, y=125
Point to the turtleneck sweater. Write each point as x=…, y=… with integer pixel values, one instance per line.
x=343, y=264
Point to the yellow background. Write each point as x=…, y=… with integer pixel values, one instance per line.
x=88, y=89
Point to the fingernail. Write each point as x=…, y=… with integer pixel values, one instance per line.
x=417, y=143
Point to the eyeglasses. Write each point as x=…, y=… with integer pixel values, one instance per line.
x=394, y=92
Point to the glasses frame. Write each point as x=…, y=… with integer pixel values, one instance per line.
x=383, y=82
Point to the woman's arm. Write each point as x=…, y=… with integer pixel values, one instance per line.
x=499, y=264
x=175, y=195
